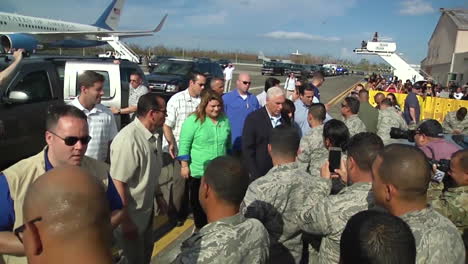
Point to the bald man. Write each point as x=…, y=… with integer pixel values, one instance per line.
x=67, y=219
x=401, y=176
x=238, y=104
x=378, y=99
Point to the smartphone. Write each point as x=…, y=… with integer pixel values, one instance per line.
x=334, y=158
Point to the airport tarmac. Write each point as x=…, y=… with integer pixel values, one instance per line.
x=167, y=247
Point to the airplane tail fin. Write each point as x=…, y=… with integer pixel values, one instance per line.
x=110, y=18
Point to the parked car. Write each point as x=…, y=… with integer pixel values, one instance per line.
x=155, y=61
x=202, y=59
x=273, y=68
x=172, y=76
x=40, y=81
x=223, y=63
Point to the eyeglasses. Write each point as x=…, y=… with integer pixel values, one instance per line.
x=246, y=83
x=133, y=80
x=162, y=111
x=20, y=230
x=71, y=141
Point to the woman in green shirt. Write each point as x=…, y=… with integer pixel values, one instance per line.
x=205, y=135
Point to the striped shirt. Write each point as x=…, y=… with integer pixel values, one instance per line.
x=134, y=95
x=102, y=129
x=179, y=107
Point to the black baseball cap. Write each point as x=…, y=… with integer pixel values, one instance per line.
x=431, y=128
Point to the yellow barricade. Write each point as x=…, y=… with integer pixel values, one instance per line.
x=431, y=108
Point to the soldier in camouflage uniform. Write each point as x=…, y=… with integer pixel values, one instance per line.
x=335, y=134
x=311, y=148
x=453, y=202
x=388, y=118
x=349, y=110
x=401, y=175
x=329, y=217
x=276, y=198
x=228, y=237
x=456, y=122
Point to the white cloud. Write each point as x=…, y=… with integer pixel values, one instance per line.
x=298, y=36
x=416, y=7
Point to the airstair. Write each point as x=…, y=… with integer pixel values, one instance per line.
x=387, y=51
x=122, y=50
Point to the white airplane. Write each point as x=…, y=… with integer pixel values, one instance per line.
x=31, y=33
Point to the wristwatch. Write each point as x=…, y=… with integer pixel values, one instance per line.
x=119, y=112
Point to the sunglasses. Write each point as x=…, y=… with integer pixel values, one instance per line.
x=20, y=230
x=71, y=141
x=246, y=83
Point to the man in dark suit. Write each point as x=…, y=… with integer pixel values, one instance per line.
x=256, y=133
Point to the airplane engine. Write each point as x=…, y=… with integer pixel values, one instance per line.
x=19, y=41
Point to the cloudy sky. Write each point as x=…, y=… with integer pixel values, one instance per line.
x=276, y=27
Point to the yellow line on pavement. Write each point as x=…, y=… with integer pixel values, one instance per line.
x=341, y=95
x=170, y=237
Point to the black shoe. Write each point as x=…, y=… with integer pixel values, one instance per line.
x=180, y=223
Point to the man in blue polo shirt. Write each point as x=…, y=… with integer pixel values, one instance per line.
x=238, y=104
x=67, y=137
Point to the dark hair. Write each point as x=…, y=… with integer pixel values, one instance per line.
x=364, y=148
x=353, y=104
x=136, y=73
x=318, y=76
x=89, y=78
x=395, y=101
x=195, y=75
x=386, y=101
x=270, y=82
x=318, y=111
x=55, y=112
x=289, y=107
x=215, y=79
x=305, y=87
x=284, y=141
x=146, y=103
x=228, y=178
x=461, y=113
x=373, y=237
x=206, y=96
x=364, y=92
x=406, y=168
x=463, y=156
x=337, y=133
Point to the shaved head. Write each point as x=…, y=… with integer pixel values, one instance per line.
x=378, y=98
x=406, y=168
x=71, y=203
x=243, y=82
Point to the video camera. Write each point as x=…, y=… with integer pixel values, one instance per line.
x=397, y=133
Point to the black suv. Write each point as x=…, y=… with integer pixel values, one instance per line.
x=224, y=63
x=273, y=68
x=172, y=76
x=155, y=61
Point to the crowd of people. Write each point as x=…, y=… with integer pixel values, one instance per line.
x=428, y=88
x=256, y=173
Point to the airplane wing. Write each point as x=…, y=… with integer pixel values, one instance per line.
x=99, y=34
